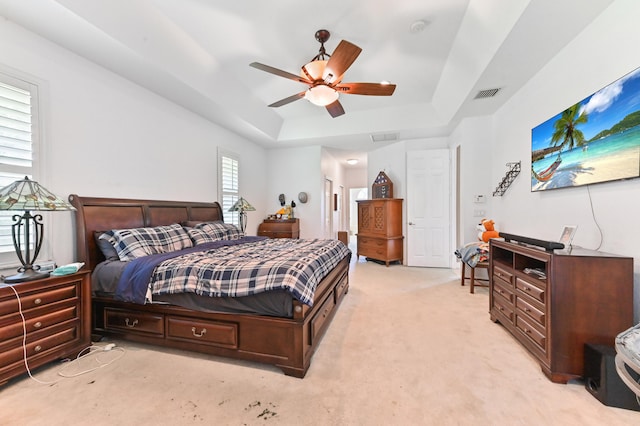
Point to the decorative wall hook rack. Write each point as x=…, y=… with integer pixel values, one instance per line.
x=512, y=173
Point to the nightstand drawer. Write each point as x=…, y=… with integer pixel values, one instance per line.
x=39, y=322
x=30, y=300
x=37, y=347
x=117, y=319
x=215, y=333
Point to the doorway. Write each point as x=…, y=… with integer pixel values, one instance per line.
x=428, y=207
x=354, y=195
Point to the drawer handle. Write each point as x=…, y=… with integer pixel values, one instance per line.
x=37, y=325
x=38, y=348
x=202, y=333
x=37, y=301
x=133, y=324
x=526, y=330
x=527, y=288
x=500, y=308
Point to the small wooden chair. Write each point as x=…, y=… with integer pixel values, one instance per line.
x=473, y=281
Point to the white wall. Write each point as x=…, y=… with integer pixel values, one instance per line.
x=602, y=53
x=295, y=170
x=104, y=136
x=473, y=136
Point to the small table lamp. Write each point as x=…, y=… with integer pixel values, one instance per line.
x=28, y=195
x=242, y=206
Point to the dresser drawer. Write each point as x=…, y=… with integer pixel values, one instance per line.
x=531, y=290
x=504, y=308
x=30, y=300
x=531, y=311
x=502, y=291
x=368, y=246
x=214, y=333
x=139, y=322
x=502, y=274
x=40, y=322
x=531, y=332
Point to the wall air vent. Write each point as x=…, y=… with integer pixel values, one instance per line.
x=488, y=93
x=384, y=137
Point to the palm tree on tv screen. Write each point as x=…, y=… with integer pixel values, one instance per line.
x=566, y=133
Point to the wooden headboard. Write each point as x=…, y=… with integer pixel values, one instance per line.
x=103, y=214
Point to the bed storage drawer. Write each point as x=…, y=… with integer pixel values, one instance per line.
x=321, y=316
x=215, y=333
x=131, y=321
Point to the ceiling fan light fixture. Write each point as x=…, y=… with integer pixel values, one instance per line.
x=321, y=95
x=315, y=69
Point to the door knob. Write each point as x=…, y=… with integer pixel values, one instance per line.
x=410, y=223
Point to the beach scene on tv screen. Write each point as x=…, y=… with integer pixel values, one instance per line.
x=595, y=140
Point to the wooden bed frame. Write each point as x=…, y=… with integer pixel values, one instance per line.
x=287, y=343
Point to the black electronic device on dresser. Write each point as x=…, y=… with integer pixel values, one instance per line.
x=57, y=319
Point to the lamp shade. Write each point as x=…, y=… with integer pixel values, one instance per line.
x=26, y=194
x=242, y=205
x=321, y=95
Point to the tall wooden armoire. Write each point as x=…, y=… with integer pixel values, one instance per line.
x=380, y=229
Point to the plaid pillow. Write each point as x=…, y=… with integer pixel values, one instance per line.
x=208, y=232
x=139, y=242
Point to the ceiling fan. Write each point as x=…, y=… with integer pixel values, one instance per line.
x=324, y=77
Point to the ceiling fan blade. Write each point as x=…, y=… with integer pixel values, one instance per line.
x=279, y=72
x=287, y=100
x=375, y=89
x=340, y=60
x=335, y=109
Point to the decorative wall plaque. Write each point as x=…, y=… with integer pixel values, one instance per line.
x=382, y=187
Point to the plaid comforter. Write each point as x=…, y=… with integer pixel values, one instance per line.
x=242, y=269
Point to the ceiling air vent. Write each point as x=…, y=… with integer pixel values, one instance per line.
x=384, y=137
x=488, y=93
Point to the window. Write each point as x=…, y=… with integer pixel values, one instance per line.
x=18, y=144
x=228, y=166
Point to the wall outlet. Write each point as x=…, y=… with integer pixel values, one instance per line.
x=479, y=213
x=478, y=199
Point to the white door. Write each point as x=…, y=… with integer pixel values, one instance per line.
x=428, y=205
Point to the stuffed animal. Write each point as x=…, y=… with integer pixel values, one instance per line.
x=487, y=230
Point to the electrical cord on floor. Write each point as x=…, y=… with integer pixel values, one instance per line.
x=92, y=351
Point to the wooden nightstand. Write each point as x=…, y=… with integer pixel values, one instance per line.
x=57, y=312
x=280, y=228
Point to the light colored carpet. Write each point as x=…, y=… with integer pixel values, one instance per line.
x=408, y=346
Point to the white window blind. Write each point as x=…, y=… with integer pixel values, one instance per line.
x=18, y=137
x=229, y=165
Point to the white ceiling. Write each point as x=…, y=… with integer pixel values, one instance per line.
x=197, y=53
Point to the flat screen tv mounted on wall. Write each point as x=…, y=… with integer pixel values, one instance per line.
x=595, y=140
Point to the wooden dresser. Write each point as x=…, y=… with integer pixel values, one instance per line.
x=279, y=228
x=57, y=312
x=582, y=296
x=380, y=229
